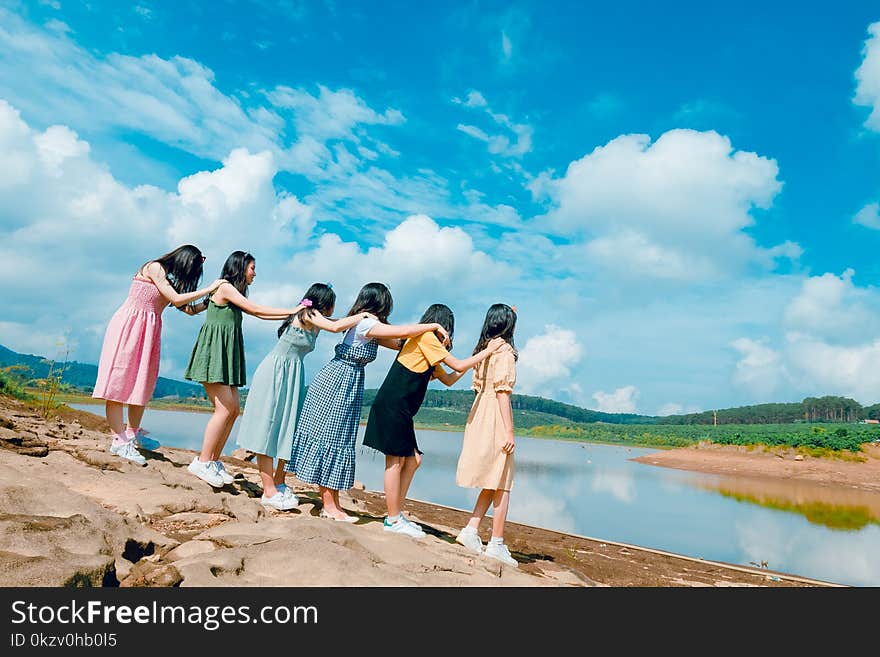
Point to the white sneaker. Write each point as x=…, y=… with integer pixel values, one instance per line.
x=206, y=472
x=470, y=539
x=127, y=450
x=500, y=552
x=287, y=491
x=411, y=523
x=280, y=501
x=141, y=440
x=227, y=478
x=402, y=527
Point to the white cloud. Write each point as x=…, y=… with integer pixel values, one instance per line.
x=833, y=307
x=674, y=408
x=548, y=358
x=868, y=78
x=824, y=368
x=172, y=100
x=759, y=370
x=869, y=216
x=506, y=45
x=674, y=209
x=622, y=400
x=73, y=227
x=513, y=145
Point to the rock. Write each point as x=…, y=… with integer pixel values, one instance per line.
x=190, y=549
x=799, y=457
x=64, y=539
x=242, y=455
x=148, y=573
x=26, y=445
x=359, y=486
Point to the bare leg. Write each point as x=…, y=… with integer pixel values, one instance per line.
x=264, y=463
x=225, y=407
x=280, y=474
x=410, y=465
x=329, y=501
x=135, y=415
x=500, y=503
x=113, y=411
x=482, y=505
x=235, y=407
x=393, y=470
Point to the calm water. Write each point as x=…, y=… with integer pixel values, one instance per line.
x=596, y=491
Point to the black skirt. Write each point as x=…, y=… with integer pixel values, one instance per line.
x=390, y=425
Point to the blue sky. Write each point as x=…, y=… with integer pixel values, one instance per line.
x=680, y=201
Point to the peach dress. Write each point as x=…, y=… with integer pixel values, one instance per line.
x=482, y=464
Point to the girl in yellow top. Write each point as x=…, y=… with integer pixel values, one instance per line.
x=390, y=427
x=486, y=459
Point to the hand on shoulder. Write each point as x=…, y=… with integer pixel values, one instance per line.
x=497, y=344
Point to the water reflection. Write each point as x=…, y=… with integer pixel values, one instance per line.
x=837, y=509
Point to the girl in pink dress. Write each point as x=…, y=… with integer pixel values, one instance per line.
x=129, y=364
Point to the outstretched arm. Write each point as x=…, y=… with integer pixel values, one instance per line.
x=381, y=330
x=228, y=294
x=156, y=273
x=448, y=378
x=463, y=365
x=335, y=325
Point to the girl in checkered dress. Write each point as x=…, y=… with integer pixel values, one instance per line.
x=323, y=450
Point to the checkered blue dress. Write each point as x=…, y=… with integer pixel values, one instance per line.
x=324, y=442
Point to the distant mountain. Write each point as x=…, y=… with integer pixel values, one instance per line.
x=82, y=375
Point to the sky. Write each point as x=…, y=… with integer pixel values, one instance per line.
x=682, y=201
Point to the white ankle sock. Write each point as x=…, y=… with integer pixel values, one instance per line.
x=496, y=540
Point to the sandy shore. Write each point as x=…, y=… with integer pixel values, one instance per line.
x=112, y=522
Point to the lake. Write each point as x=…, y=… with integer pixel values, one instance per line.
x=597, y=491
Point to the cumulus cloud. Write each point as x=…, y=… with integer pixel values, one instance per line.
x=760, y=369
x=868, y=77
x=829, y=346
x=674, y=209
x=548, y=358
x=72, y=226
x=833, y=307
x=622, y=400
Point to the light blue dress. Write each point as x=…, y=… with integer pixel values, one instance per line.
x=276, y=396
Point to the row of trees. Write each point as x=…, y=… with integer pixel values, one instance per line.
x=830, y=408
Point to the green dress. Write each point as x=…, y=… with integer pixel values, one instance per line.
x=218, y=355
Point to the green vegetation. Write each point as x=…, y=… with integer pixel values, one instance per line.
x=12, y=383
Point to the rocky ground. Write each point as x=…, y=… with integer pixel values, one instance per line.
x=71, y=514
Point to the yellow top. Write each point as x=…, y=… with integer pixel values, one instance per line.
x=422, y=352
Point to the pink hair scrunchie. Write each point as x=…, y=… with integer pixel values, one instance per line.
x=306, y=302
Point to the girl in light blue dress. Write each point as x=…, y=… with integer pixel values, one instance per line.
x=278, y=388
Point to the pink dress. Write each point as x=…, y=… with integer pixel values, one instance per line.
x=129, y=363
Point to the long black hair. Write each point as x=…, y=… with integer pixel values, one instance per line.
x=183, y=268
x=323, y=300
x=373, y=298
x=235, y=267
x=499, y=323
x=442, y=314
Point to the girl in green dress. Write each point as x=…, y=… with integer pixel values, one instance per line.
x=217, y=360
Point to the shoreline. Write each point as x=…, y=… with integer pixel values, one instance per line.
x=192, y=535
